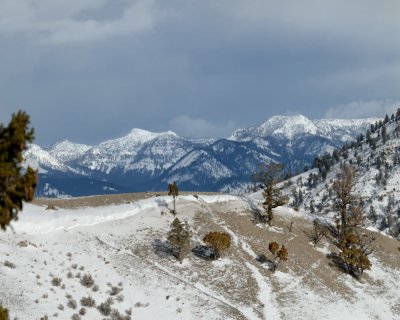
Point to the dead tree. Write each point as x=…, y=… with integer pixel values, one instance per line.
x=343, y=187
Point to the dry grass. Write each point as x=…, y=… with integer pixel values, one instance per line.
x=104, y=200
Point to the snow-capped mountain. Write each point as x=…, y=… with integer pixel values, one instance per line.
x=66, y=151
x=143, y=151
x=376, y=158
x=290, y=127
x=144, y=160
x=43, y=160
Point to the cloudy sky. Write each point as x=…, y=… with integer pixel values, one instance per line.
x=88, y=70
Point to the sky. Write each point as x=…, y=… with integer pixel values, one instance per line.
x=90, y=70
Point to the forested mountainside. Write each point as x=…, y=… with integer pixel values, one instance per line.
x=375, y=155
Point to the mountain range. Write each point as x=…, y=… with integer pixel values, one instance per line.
x=147, y=161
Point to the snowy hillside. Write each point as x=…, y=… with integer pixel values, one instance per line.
x=376, y=158
x=117, y=256
x=144, y=160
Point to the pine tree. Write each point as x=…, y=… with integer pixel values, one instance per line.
x=385, y=136
x=301, y=197
x=386, y=119
x=372, y=214
x=269, y=175
x=312, y=209
x=390, y=204
x=174, y=192
x=179, y=238
x=15, y=186
x=355, y=254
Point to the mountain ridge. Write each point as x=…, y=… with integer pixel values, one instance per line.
x=144, y=160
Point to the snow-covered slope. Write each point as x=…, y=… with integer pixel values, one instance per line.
x=124, y=250
x=376, y=184
x=66, y=151
x=140, y=150
x=42, y=160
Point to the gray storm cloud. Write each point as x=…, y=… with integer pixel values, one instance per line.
x=89, y=70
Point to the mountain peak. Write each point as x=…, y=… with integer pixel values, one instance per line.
x=290, y=127
x=144, y=135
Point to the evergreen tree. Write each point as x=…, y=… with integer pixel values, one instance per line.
x=386, y=119
x=179, y=238
x=390, y=204
x=301, y=197
x=312, y=209
x=16, y=186
x=355, y=254
x=385, y=136
x=174, y=192
x=269, y=175
x=372, y=214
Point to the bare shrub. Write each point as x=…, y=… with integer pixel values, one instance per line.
x=115, y=315
x=104, y=308
x=9, y=264
x=316, y=234
x=87, y=280
x=88, y=302
x=219, y=241
x=129, y=311
x=51, y=207
x=82, y=311
x=114, y=291
x=56, y=281
x=72, y=303
x=279, y=254
x=76, y=317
